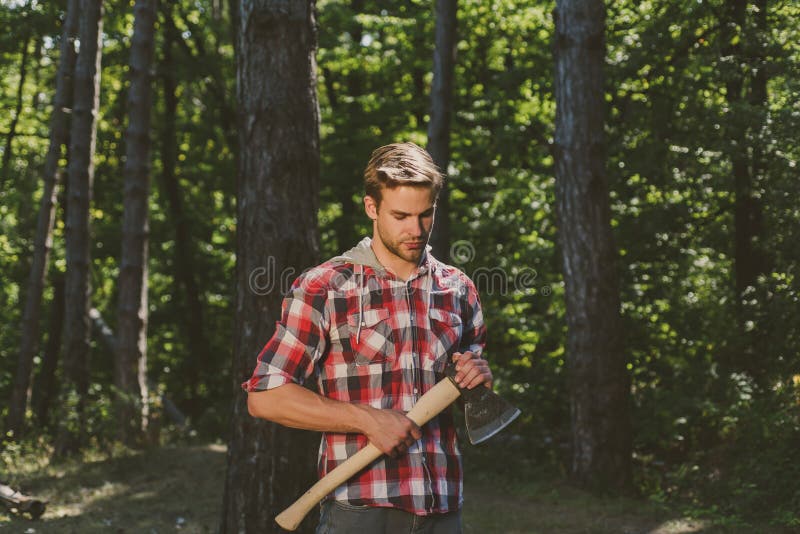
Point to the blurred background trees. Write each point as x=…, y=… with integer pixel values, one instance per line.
x=701, y=114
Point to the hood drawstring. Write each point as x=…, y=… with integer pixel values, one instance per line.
x=430, y=297
x=360, y=303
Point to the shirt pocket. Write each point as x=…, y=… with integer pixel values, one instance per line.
x=374, y=343
x=445, y=336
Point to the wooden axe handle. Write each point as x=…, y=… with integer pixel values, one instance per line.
x=427, y=407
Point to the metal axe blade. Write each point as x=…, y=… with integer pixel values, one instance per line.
x=485, y=412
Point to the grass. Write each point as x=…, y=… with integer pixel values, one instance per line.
x=179, y=489
x=161, y=490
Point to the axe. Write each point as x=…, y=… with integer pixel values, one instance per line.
x=19, y=502
x=485, y=414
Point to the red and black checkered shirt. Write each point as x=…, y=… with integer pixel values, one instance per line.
x=372, y=338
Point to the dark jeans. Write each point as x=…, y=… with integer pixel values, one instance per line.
x=342, y=518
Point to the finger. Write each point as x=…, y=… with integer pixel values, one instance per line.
x=463, y=367
x=482, y=370
x=470, y=376
x=413, y=429
x=482, y=378
x=463, y=358
x=466, y=370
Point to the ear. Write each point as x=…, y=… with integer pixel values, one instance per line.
x=371, y=207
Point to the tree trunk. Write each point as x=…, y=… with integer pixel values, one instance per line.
x=12, y=129
x=39, y=55
x=598, y=382
x=193, y=303
x=81, y=177
x=444, y=64
x=44, y=384
x=746, y=93
x=43, y=242
x=130, y=371
x=268, y=465
x=747, y=212
x=215, y=87
x=353, y=108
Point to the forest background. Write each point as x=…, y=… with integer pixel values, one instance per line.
x=700, y=164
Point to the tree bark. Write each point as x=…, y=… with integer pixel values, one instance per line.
x=747, y=213
x=81, y=177
x=444, y=64
x=130, y=371
x=268, y=465
x=185, y=276
x=44, y=384
x=746, y=93
x=599, y=386
x=43, y=242
x=36, y=100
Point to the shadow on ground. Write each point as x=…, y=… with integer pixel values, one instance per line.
x=179, y=489
x=548, y=507
x=162, y=490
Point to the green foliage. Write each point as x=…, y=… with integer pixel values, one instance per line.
x=715, y=387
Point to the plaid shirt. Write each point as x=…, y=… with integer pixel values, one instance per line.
x=372, y=338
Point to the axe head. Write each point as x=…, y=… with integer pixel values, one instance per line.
x=485, y=412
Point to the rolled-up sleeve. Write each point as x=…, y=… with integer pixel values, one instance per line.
x=299, y=341
x=474, y=336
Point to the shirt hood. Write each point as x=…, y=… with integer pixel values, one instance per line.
x=362, y=254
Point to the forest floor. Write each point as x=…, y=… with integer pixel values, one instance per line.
x=179, y=489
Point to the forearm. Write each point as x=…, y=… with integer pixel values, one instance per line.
x=294, y=406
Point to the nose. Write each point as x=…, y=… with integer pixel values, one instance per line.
x=418, y=228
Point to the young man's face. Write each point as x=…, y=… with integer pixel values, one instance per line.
x=403, y=221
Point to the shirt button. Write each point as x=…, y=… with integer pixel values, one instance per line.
x=416, y=391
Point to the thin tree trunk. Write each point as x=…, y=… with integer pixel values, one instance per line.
x=352, y=107
x=746, y=92
x=444, y=64
x=36, y=100
x=43, y=242
x=216, y=85
x=193, y=303
x=102, y=331
x=598, y=382
x=746, y=214
x=12, y=129
x=81, y=178
x=268, y=465
x=130, y=375
x=233, y=13
x=44, y=384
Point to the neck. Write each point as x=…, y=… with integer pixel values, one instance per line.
x=398, y=266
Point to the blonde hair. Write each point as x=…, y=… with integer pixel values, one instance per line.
x=401, y=164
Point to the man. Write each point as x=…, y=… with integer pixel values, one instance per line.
x=377, y=326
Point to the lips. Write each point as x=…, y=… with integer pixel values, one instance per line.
x=414, y=245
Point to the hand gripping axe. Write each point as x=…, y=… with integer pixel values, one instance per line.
x=485, y=414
